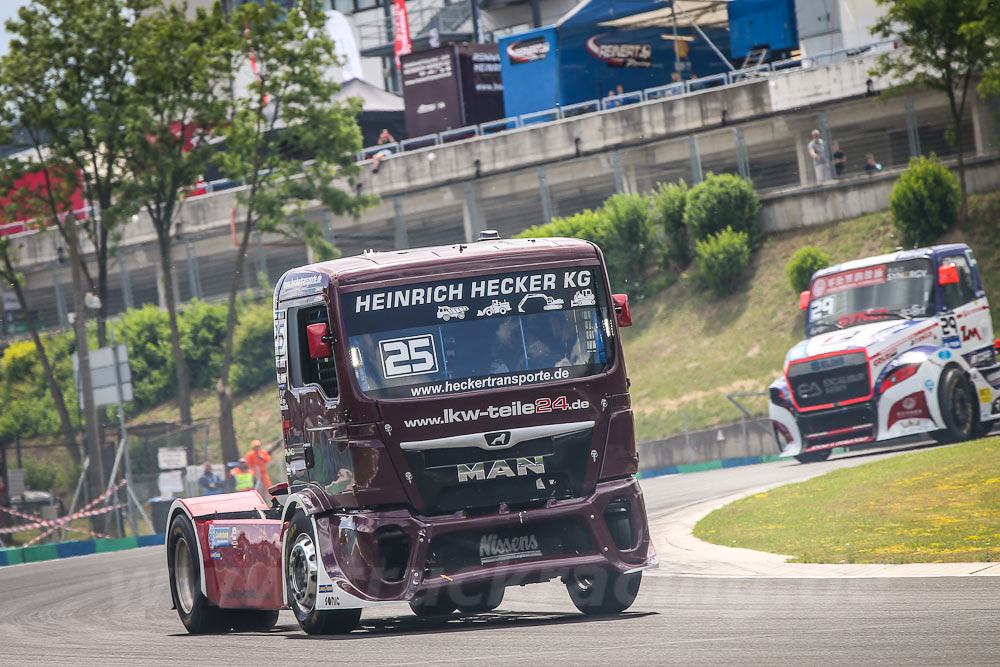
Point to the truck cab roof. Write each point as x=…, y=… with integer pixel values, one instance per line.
x=930, y=252
x=420, y=263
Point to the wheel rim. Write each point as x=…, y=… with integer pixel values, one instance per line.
x=583, y=582
x=302, y=572
x=184, y=575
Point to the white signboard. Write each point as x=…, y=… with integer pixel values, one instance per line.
x=15, y=483
x=102, y=374
x=10, y=302
x=171, y=483
x=171, y=458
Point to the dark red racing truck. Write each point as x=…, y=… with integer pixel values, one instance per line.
x=456, y=420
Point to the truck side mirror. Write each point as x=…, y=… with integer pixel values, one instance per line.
x=948, y=274
x=804, y=298
x=279, y=489
x=319, y=340
x=622, y=309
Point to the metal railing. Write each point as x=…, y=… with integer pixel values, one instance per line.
x=611, y=102
x=545, y=116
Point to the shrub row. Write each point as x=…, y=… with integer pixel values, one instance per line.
x=642, y=234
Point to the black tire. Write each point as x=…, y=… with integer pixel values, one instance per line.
x=814, y=457
x=198, y=615
x=301, y=568
x=479, y=599
x=602, y=591
x=958, y=410
x=982, y=429
x=252, y=620
x=438, y=602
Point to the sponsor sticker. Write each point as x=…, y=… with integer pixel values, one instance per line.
x=944, y=354
x=219, y=536
x=838, y=282
x=495, y=549
x=326, y=588
x=215, y=555
x=985, y=395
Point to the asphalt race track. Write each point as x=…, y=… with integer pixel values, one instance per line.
x=114, y=609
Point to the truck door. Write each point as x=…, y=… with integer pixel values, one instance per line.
x=966, y=325
x=314, y=390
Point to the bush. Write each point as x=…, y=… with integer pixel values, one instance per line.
x=721, y=259
x=203, y=329
x=806, y=261
x=924, y=200
x=621, y=228
x=721, y=201
x=253, y=349
x=668, y=202
x=625, y=235
x=147, y=335
x=583, y=225
x=20, y=362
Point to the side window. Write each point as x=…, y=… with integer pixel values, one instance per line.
x=964, y=291
x=304, y=369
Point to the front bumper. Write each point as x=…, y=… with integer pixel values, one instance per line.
x=363, y=553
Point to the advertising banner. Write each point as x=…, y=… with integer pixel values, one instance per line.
x=482, y=87
x=430, y=91
x=401, y=30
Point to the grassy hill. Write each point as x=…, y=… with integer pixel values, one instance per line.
x=686, y=350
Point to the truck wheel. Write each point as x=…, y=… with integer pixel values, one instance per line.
x=197, y=614
x=479, y=599
x=252, y=620
x=602, y=591
x=814, y=457
x=957, y=407
x=982, y=429
x=302, y=563
x=433, y=603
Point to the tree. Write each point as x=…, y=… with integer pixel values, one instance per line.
x=67, y=82
x=177, y=103
x=945, y=48
x=26, y=203
x=989, y=25
x=288, y=142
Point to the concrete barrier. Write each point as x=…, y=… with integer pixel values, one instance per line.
x=34, y=554
x=722, y=446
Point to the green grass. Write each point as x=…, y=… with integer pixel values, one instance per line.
x=686, y=350
x=932, y=506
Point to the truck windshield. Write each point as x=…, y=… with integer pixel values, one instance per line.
x=894, y=290
x=483, y=332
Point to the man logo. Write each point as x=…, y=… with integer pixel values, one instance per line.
x=498, y=439
x=909, y=403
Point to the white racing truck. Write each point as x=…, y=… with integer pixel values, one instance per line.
x=896, y=345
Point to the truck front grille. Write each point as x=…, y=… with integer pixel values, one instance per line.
x=829, y=381
x=528, y=473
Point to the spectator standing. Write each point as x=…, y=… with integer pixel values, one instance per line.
x=257, y=459
x=871, y=166
x=209, y=482
x=839, y=160
x=243, y=479
x=817, y=151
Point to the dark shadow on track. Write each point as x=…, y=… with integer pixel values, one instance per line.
x=404, y=626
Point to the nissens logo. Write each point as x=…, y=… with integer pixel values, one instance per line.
x=493, y=549
x=621, y=55
x=528, y=50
